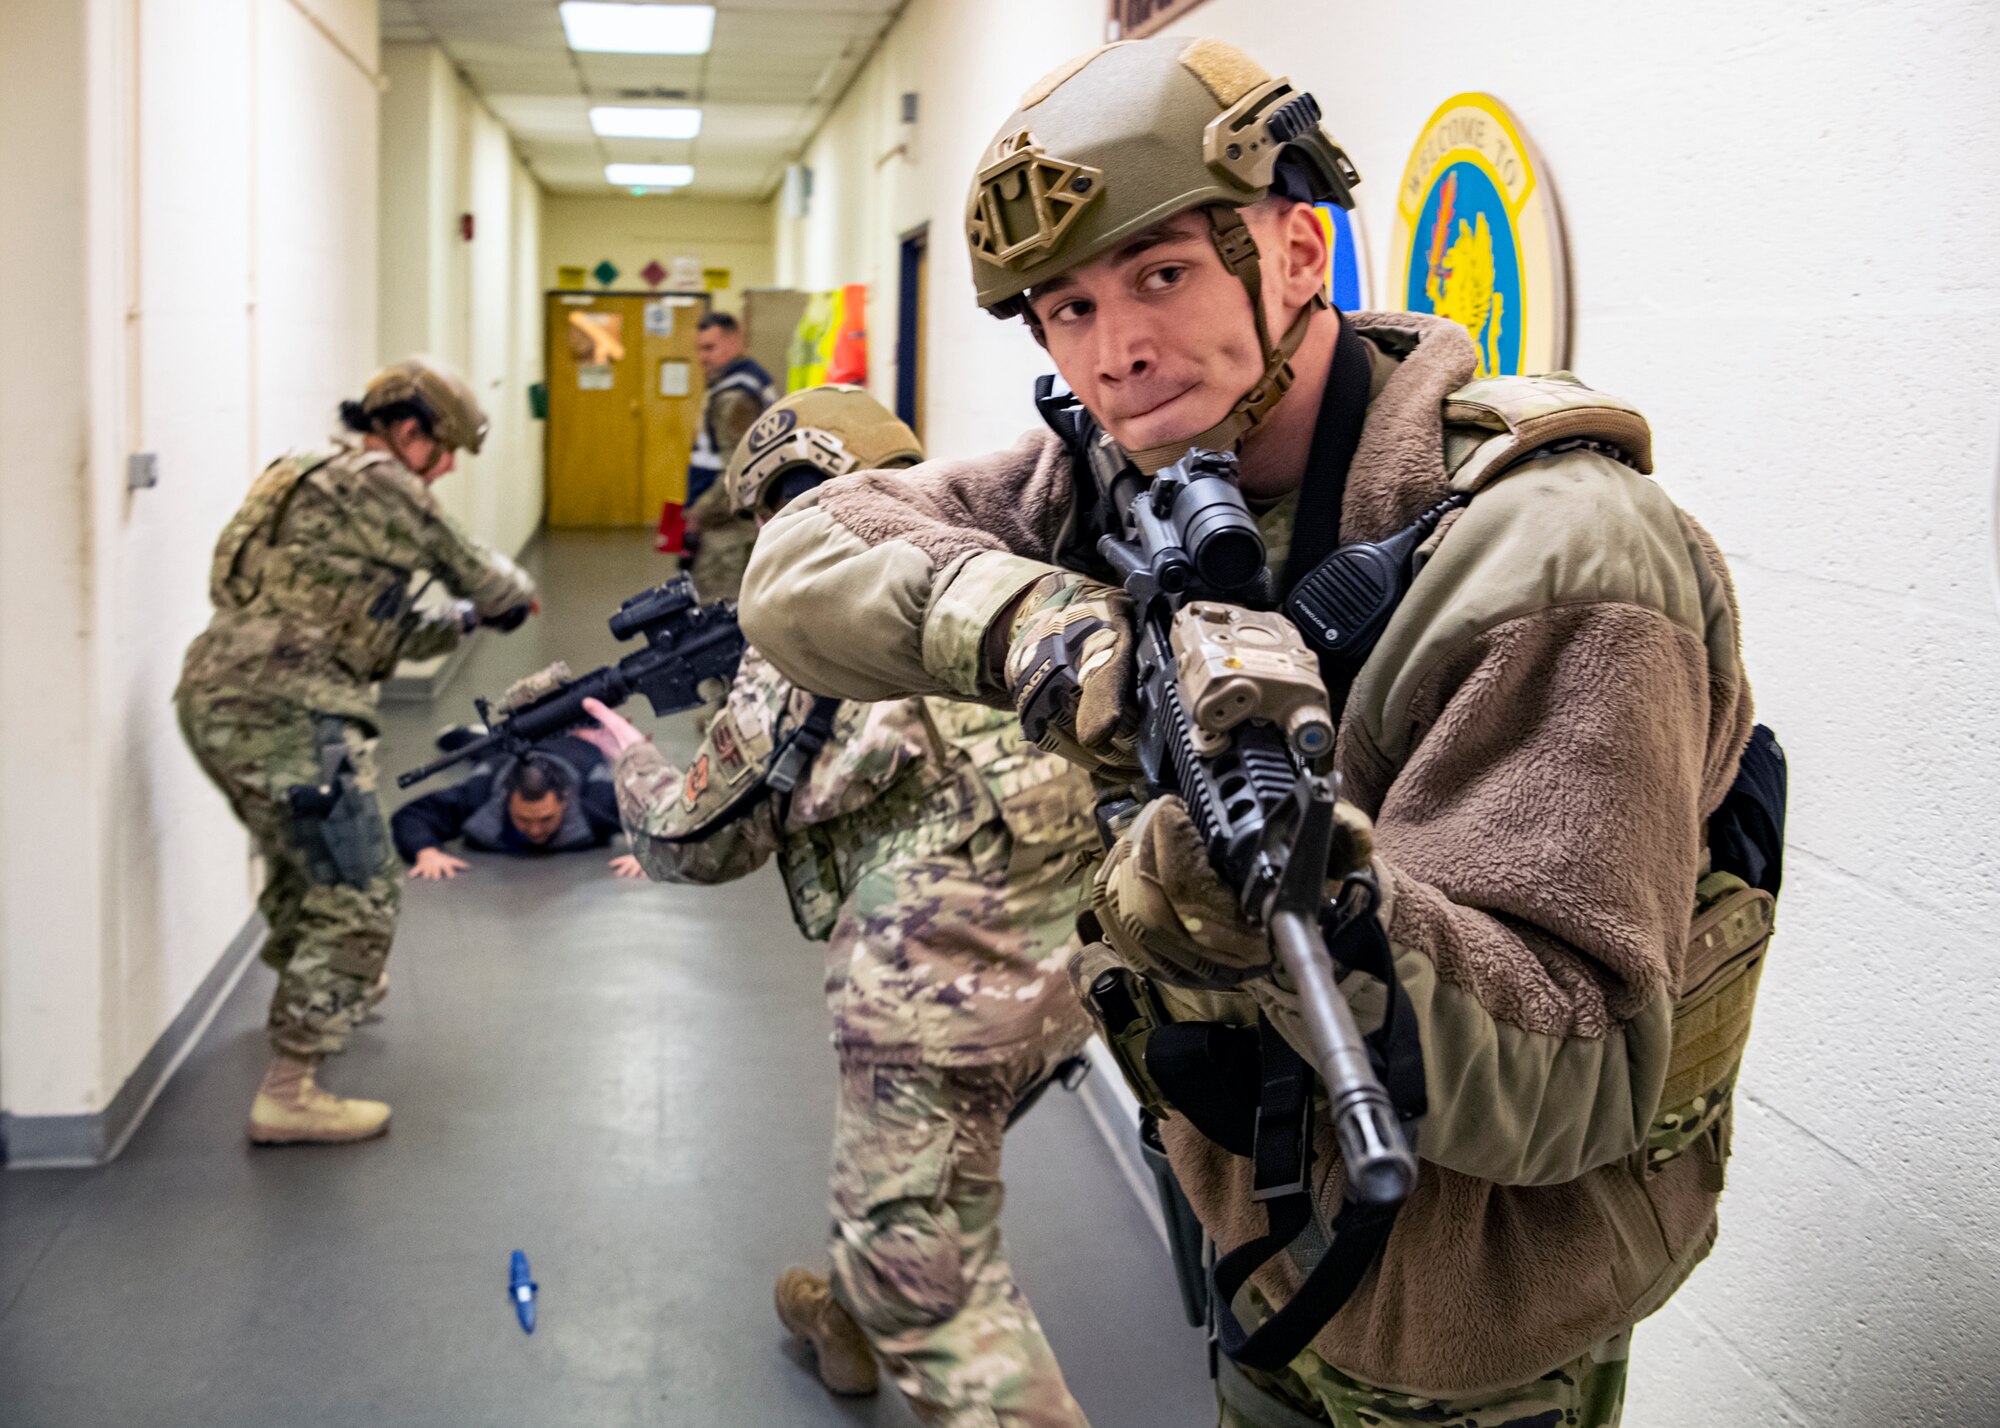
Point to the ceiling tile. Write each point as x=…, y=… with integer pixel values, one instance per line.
x=775, y=67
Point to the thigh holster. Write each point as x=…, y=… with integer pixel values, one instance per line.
x=336, y=823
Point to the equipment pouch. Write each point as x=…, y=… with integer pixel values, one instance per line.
x=1723, y=963
x=812, y=882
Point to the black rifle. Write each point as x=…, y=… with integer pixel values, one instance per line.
x=687, y=644
x=1261, y=797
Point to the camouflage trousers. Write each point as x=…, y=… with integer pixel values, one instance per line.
x=917, y=1258
x=329, y=931
x=1588, y=1392
x=718, y=565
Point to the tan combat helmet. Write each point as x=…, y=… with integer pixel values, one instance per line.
x=827, y=431
x=456, y=418
x=1115, y=141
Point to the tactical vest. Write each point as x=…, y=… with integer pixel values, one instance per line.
x=346, y=609
x=707, y=461
x=487, y=827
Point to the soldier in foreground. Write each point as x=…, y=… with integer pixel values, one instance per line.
x=739, y=389
x=313, y=604
x=1538, y=736
x=936, y=855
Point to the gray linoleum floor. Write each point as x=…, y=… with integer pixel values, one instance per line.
x=629, y=1081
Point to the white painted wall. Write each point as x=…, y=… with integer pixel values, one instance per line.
x=1782, y=242
x=198, y=282
x=442, y=154
x=582, y=230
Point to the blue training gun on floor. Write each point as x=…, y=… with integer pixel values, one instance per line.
x=1235, y=722
x=687, y=645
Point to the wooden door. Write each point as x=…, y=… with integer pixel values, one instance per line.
x=625, y=396
x=595, y=449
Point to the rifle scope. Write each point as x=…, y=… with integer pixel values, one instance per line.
x=1194, y=521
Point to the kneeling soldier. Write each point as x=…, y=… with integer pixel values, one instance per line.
x=937, y=855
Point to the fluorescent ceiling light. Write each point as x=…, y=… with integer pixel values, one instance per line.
x=623, y=121
x=638, y=29
x=649, y=175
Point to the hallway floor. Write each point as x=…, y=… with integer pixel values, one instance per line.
x=629, y=1081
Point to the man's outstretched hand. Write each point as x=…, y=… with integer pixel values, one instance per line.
x=434, y=865
x=626, y=866
x=623, y=733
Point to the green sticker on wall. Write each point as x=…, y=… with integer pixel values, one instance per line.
x=605, y=272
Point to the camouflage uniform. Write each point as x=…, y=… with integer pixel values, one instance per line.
x=937, y=855
x=1588, y=1392
x=311, y=587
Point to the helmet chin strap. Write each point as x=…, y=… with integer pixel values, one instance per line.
x=1238, y=251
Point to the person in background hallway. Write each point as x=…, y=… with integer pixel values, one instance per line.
x=313, y=604
x=1536, y=745
x=935, y=854
x=738, y=392
x=556, y=798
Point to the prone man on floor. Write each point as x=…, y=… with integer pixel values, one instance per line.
x=553, y=796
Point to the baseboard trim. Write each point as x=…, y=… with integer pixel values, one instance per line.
x=82, y=1141
x=1114, y=1110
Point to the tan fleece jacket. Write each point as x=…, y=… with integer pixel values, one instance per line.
x=1547, y=719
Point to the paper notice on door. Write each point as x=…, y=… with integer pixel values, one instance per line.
x=675, y=378
x=593, y=376
x=659, y=319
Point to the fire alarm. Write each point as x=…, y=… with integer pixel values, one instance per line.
x=465, y=226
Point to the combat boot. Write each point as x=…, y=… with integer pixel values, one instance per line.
x=807, y=1308
x=291, y=1108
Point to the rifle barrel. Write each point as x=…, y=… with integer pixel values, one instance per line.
x=457, y=756
x=1381, y=1170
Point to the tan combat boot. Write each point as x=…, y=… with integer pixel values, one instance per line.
x=807, y=1308
x=290, y=1108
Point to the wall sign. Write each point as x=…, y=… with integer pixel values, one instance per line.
x=1347, y=274
x=569, y=279
x=1477, y=238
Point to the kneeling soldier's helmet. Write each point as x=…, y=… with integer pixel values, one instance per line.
x=1113, y=142
x=445, y=398
x=810, y=437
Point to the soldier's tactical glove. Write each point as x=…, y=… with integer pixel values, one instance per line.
x=1069, y=669
x=1166, y=913
x=510, y=619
